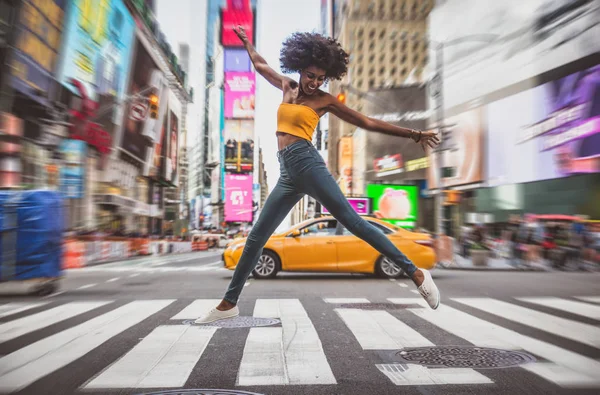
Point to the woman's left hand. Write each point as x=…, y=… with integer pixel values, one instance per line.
x=427, y=138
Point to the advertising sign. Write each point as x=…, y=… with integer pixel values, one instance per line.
x=98, y=45
x=553, y=131
x=239, y=94
x=37, y=42
x=238, y=198
x=158, y=163
x=345, y=164
x=387, y=164
x=238, y=12
x=237, y=60
x=72, y=172
x=361, y=205
x=239, y=146
x=396, y=204
x=135, y=139
x=171, y=158
x=465, y=156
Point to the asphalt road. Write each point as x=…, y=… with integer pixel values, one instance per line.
x=125, y=328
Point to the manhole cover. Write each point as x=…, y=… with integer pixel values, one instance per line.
x=202, y=392
x=375, y=306
x=239, y=322
x=464, y=357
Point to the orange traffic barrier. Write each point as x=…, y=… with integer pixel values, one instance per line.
x=73, y=254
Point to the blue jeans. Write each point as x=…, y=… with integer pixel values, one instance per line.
x=303, y=171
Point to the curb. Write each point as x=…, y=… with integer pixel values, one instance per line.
x=138, y=257
x=490, y=269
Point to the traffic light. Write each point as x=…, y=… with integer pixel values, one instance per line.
x=341, y=97
x=153, y=99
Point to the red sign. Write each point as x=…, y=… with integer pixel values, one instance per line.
x=83, y=128
x=237, y=13
x=388, y=163
x=139, y=111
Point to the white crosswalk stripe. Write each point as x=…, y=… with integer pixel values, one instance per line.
x=293, y=353
x=570, y=306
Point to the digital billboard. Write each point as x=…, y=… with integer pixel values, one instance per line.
x=72, y=171
x=237, y=12
x=38, y=33
x=550, y=131
x=237, y=60
x=97, y=49
x=465, y=154
x=362, y=206
x=238, y=198
x=396, y=204
x=239, y=145
x=239, y=94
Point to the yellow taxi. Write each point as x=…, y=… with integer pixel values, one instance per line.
x=324, y=245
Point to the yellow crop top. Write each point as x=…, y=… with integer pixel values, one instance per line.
x=297, y=119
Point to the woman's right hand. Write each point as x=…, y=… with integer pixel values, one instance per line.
x=241, y=33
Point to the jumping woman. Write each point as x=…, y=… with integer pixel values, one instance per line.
x=302, y=170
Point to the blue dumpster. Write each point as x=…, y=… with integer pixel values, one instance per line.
x=31, y=235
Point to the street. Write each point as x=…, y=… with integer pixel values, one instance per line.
x=127, y=328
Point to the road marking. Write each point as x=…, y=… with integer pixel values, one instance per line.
x=39, y=359
x=593, y=299
x=14, y=308
x=410, y=374
x=345, y=300
x=54, y=294
x=113, y=279
x=87, y=286
x=482, y=333
x=246, y=283
x=292, y=354
x=414, y=291
x=392, y=279
x=576, y=331
x=570, y=306
x=164, y=358
x=379, y=330
x=214, y=264
x=134, y=275
x=196, y=309
x=403, y=285
x=13, y=329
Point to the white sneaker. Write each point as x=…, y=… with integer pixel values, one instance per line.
x=216, y=315
x=429, y=291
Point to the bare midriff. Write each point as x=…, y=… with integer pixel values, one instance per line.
x=285, y=139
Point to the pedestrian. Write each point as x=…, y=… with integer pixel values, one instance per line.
x=302, y=170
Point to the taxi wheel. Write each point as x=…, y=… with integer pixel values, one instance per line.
x=268, y=265
x=388, y=269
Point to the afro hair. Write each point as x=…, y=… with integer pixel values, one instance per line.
x=302, y=50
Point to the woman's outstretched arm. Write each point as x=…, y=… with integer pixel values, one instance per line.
x=260, y=64
x=340, y=110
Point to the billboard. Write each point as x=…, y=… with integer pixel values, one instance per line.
x=500, y=43
x=361, y=205
x=237, y=12
x=97, y=49
x=239, y=145
x=38, y=33
x=465, y=156
x=239, y=94
x=345, y=153
x=238, y=198
x=387, y=157
x=550, y=131
x=237, y=60
x=72, y=171
x=173, y=139
x=139, y=130
x=396, y=204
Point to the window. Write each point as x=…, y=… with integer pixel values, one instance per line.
x=319, y=229
x=378, y=226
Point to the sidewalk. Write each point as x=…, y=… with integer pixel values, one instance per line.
x=493, y=264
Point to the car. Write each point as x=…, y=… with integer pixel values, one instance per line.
x=324, y=245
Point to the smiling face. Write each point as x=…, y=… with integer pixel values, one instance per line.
x=311, y=79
